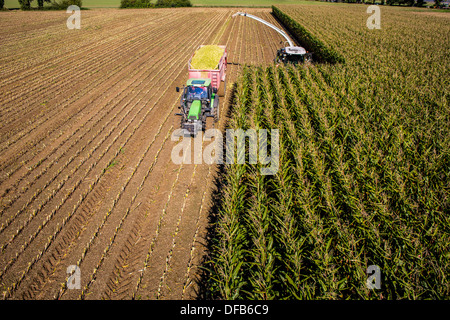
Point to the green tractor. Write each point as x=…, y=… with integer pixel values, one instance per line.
x=199, y=104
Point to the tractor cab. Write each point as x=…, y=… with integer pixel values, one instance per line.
x=198, y=89
x=199, y=100
x=293, y=55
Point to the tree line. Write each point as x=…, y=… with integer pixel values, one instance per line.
x=157, y=4
x=54, y=4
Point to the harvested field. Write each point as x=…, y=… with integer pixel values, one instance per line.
x=85, y=174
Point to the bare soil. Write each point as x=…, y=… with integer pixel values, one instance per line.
x=86, y=176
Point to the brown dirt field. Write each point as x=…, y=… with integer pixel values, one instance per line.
x=86, y=176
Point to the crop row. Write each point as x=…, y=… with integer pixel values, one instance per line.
x=111, y=240
x=308, y=40
x=54, y=38
x=111, y=72
x=74, y=141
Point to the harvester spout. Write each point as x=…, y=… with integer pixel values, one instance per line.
x=291, y=44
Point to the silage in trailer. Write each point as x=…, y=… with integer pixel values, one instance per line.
x=207, y=57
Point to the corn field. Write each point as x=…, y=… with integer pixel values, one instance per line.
x=364, y=166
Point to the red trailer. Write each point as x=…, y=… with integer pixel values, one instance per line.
x=217, y=76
